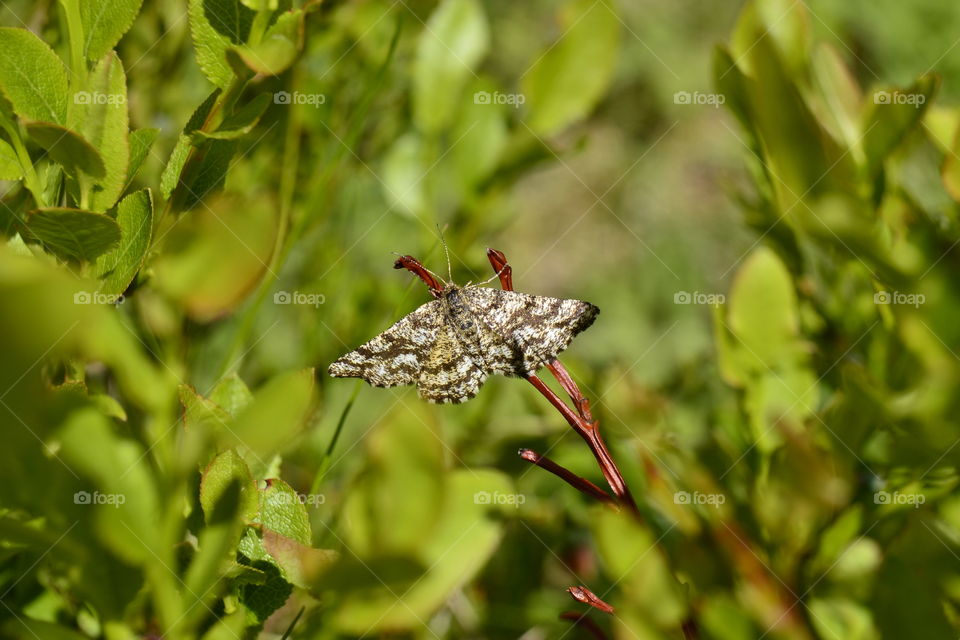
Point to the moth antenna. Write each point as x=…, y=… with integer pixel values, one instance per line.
x=446, y=252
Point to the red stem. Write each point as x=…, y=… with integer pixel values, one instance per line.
x=414, y=266
x=577, y=482
x=584, y=595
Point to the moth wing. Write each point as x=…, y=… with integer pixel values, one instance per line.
x=521, y=332
x=449, y=374
x=396, y=356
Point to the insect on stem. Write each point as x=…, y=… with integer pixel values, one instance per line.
x=580, y=419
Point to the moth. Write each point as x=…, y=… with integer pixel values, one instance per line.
x=450, y=345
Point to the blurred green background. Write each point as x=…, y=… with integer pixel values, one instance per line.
x=770, y=243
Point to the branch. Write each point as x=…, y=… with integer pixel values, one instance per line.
x=577, y=482
x=414, y=266
x=584, y=595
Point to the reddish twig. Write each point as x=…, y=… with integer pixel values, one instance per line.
x=580, y=417
x=413, y=265
x=581, y=620
x=563, y=377
x=577, y=482
x=505, y=272
x=584, y=595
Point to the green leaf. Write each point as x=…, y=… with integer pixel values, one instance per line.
x=170, y=177
x=763, y=307
x=232, y=394
x=891, y=114
x=141, y=141
x=32, y=77
x=481, y=134
x=240, y=123
x=842, y=618
x=130, y=521
x=404, y=168
x=135, y=217
x=212, y=261
x=67, y=148
x=104, y=23
x=257, y=5
x=282, y=511
x=216, y=549
x=228, y=627
x=263, y=599
x=207, y=174
x=630, y=554
x=73, y=233
x=227, y=468
x=284, y=403
x=454, y=551
x=394, y=507
x=10, y=168
x=572, y=75
x=838, y=97
x=201, y=413
x=21, y=627
x=100, y=115
x=451, y=45
x=279, y=47
x=216, y=25
x=302, y=565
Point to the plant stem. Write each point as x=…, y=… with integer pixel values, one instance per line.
x=584, y=595
x=577, y=482
x=30, y=179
